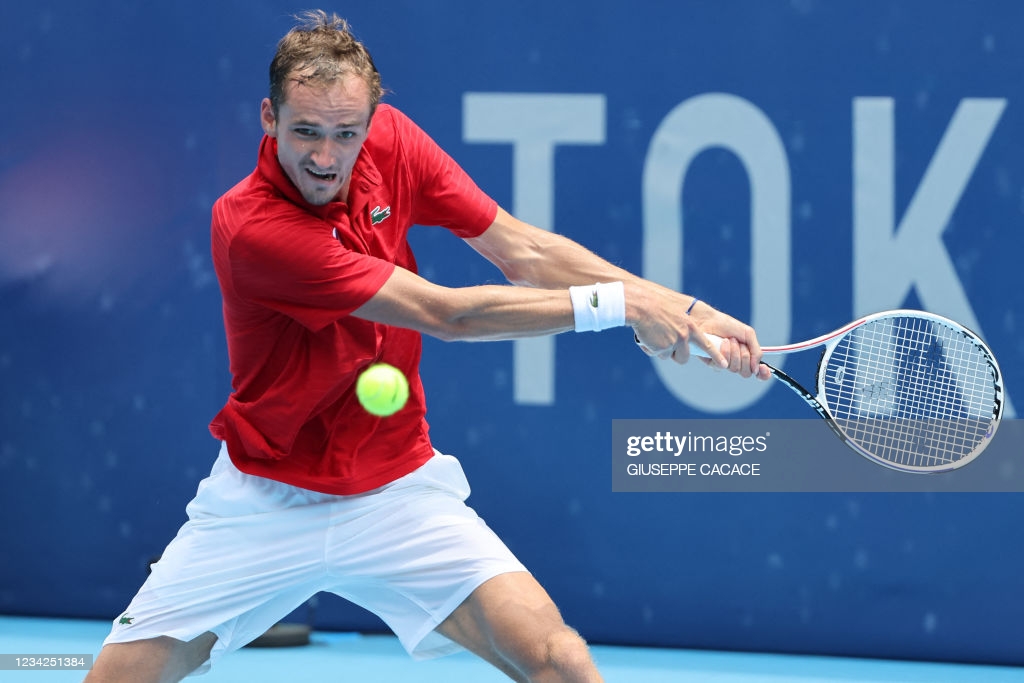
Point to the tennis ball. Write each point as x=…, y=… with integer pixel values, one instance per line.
x=382, y=389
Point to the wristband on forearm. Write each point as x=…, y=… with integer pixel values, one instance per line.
x=598, y=307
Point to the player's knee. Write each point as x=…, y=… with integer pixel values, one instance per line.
x=157, y=659
x=564, y=654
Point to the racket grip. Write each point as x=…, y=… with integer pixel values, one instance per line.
x=698, y=351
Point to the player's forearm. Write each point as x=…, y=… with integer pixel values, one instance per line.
x=665, y=321
x=556, y=262
x=488, y=313
x=533, y=257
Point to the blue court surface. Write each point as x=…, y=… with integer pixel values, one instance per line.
x=380, y=659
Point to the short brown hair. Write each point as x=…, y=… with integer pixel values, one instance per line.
x=321, y=49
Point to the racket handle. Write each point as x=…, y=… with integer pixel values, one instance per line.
x=698, y=351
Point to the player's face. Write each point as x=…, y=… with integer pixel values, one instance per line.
x=320, y=130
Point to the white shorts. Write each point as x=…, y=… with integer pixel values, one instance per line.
x=254, y=549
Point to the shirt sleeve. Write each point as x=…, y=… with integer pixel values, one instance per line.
x=446, y=195
x=295, y=266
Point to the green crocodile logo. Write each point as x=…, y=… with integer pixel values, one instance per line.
x=377, y=214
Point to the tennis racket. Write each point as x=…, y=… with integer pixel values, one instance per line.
x=906, y=389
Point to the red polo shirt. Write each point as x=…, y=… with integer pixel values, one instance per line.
x=290, y=275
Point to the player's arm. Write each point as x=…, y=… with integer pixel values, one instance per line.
x=482, y=313
x=533, y=257
x=493, y=312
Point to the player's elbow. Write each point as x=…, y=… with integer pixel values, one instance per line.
x=448, y=331
x=466, y=320
x=447, y=322
x=463, y=326
x=526, y=270
x=520, y=274
x=523, y=265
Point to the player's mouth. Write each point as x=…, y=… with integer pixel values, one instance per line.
x=322, y=177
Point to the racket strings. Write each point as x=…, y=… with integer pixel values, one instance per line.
x=913, y=392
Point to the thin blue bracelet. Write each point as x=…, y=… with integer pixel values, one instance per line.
x=692, y=304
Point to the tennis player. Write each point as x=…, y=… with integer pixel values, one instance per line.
x=310, y=492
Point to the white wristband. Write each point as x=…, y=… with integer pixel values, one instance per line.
x=598, y=307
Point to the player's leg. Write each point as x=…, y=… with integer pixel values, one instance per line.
x=418, y=557
x=155, y=660
x=511, y=622
x=250, y=553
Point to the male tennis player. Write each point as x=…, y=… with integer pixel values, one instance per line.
x=312, y=493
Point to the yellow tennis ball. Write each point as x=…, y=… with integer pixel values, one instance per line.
x=382, y=389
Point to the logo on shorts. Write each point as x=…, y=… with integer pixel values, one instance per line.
x=125, y=620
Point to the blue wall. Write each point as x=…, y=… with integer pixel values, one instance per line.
x=838, y=158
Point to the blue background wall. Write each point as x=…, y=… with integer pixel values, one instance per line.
x=124, y=121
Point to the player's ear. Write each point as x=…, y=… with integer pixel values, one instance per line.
x=267, y=118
